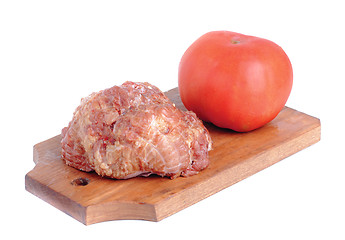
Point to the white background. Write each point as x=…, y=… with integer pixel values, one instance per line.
x=52, y=53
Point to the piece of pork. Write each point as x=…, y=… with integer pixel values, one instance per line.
x=134, y=130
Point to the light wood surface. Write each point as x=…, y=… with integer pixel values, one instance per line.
x=90, y=198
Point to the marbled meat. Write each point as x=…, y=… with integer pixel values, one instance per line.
x=134, y=130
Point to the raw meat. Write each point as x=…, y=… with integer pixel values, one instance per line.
x=135, y=130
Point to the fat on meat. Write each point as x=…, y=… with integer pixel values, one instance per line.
x=134, y=130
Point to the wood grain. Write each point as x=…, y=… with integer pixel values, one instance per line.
x=235, y=156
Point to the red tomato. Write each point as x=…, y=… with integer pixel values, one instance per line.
x=235, y=81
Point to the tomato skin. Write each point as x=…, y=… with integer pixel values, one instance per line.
x=235, y=81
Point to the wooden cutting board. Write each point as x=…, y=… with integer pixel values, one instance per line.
x=236, y=156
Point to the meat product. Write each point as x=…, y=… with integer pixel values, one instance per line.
x=134, y=130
